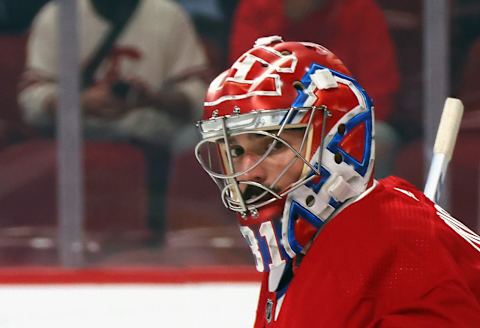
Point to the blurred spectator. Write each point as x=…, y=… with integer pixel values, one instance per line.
x=465, y=59
x=15, y=19
x=464, y=32
x=11, y=64
x=228, y=8
x=404, y=19
x=148, y=84
x=470, y=89
x=149, y=80
x=16, y=15
x=213, y=20
x=355, y=30
x=210, y=23
x=206, y=8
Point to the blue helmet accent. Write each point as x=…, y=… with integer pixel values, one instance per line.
x=297, y=210
x=361, y=167
x=334, y=145
x=306, y=80
x=324, y=175
x=366, y=117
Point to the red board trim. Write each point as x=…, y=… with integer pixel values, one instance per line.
x=155, y=275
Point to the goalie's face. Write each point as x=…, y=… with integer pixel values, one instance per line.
x=277, y=171
x=255, y=167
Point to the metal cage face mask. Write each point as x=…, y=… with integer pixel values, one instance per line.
x=258, y=158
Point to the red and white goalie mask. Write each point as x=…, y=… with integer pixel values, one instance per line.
x=287, y=135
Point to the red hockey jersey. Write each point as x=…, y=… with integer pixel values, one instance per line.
x=391, y=259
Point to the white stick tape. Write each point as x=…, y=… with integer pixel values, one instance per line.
x=444, y=145
x=448, y=127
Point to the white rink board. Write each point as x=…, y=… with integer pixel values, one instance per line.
x=208, y=305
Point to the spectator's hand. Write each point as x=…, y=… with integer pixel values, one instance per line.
x=99, y=101
x=168, y=100
x=140, y=94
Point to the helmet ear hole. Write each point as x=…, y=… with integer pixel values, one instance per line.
x=298, y=85
x=341, y=129
x=338, y=158
x=310, y=201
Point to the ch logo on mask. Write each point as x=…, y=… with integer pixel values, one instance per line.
x=254, y=74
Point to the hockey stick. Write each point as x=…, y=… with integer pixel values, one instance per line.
x=444, y=144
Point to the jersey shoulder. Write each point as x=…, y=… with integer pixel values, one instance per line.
x=399, y=208
x=401, y=192
x=395, y=204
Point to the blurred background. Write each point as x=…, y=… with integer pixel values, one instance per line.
x=98, y=100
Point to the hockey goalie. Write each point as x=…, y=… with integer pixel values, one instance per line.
x=288, y=136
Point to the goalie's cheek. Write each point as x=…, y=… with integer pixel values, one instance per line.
x=293, y=173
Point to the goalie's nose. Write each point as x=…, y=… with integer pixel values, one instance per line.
x=256, y=171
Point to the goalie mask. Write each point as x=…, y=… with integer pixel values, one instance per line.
x=287, y=135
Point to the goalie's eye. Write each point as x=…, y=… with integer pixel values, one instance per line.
x=236, y=151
